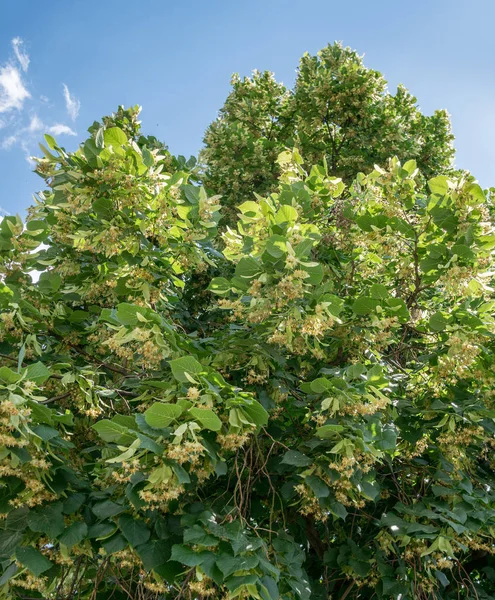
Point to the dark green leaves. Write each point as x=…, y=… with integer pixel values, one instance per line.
x=48, y=520
x=187, y=556
x=106, y=509
x=295, y=458
x=33, y=560
x=154, y=553
x=74, y=534
x=233, y=564
x=9, y=540
x=134, y=530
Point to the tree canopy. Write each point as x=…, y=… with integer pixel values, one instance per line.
x=299, y=406
x=338, y=110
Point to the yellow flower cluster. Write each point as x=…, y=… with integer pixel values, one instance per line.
x=233, y=441
x=459, y=360
x=204, y=588
x=158, y=498
x=186, y=452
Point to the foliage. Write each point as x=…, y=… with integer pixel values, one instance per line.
x=300, y=407
x=339, y=111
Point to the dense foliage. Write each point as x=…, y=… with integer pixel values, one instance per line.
x=298, y=406
x=338, y=109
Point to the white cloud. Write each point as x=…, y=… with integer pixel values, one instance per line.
x=8, y=142
x=72, y=103
x=12, y=89
x=60, y=129
x=36, y=124
x=21, y=55
x=23, y=128
x=24, y=136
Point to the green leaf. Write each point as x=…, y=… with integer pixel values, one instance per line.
x=197, y=535
x=100, y=138
x=33, y=560
x=17, y=519
x=8, y=573
x=319, y=488
x=320, y=385
x=220, y=286
x=106, y=509
x=160, y=415
x=207, y=418
x=52, y=144
x=187, y=556
x=339, y=510
x=73, y=503
x=328, y=431
x=379, y=291
x=37, y=372
x=114, y=137
x=9, y=376
x=232, y=564
x=109, y=431
x=439, y=185
x=442, y=578
x=45, y=432
x=437, y=322
x=48, y=520
x=134, y=530
x=184, y=368
x=148, y=159
x=256, y=412
x=276, y=246
x=297, y=459
x=116, y=543
x=462, y=251
x=410, y=166
x=74, y=534
x=247, y=268
x=154, y=553
x=9, y=540
x=286, y=214
x=101, y=530
x=104, y=208
x=364, y=305
x=127, y=454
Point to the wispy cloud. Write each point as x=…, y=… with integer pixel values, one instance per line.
x=13, y=92
x=8, y=142
x=37, y=126
x=72, y=103
x=21, y=127
x=60, y=129
x=21, y=55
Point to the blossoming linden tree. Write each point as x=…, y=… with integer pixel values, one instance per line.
x=295, y=402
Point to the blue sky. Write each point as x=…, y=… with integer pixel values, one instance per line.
x=65, y=64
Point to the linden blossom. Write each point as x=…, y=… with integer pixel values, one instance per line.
x=286, y=392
